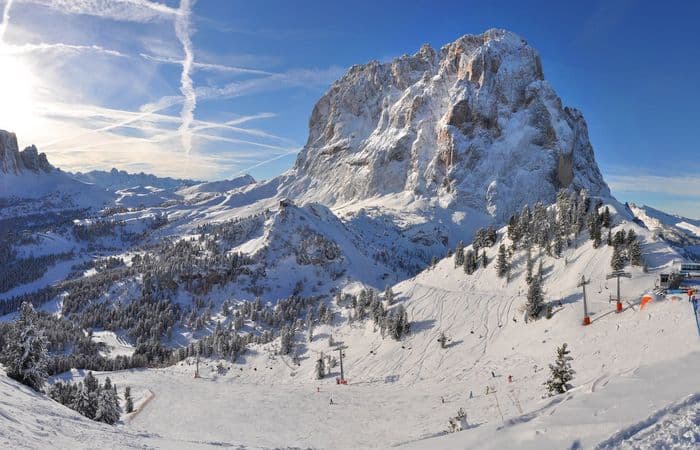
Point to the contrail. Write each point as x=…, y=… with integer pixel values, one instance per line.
x=182, y=30
x=267, y=161
x=5, y=20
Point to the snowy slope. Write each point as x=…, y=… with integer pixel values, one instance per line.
x=635, y=371
x=33, y=421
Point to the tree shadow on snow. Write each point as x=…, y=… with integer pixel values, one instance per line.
x=454, y=343
x=422, y=325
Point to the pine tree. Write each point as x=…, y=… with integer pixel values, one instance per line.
x=617, y=262
x=320, y=368
x=108, y=409
x=389, y=296
x=529, y=266
x=634, y=252
x=128, y=399
x=459, y=254
x=513, y=229
x=606, y=217
x=25, y=354
x=459, y=422
x=558, y=245
x=484, y=259
x=561, y=372
x=286, y=339
x=535, y=298
x=91, y=383
x=397, y=323
x=84, y=402
x=594, y=229
x=502, y=262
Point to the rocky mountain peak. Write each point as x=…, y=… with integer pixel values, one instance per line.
x=473, y=126
x=14, y=162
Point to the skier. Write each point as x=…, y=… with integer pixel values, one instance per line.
x=442, y=399
x=510, y=378
x=331, y=402
x=318, y=389
x=471, y=395
x=493, y=374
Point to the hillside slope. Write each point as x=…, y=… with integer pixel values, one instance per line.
x=634, y=370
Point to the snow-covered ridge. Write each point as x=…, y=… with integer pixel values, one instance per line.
x=120, y=179
x=679, y=231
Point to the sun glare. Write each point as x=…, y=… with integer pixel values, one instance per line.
x=16, y=94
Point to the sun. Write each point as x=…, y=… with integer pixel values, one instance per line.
x=16, y=94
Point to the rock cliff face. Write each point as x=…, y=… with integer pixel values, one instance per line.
x=472, y=126
x=12, y=161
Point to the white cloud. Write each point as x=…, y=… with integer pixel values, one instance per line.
x=121, y=10
x=677, y=185
x=291, y=78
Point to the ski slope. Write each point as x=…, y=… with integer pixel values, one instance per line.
x=636, y=370
x=29, y=420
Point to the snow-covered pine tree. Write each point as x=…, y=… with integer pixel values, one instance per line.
x=561, y=372
x=617, y=262
x=389, y=296
x=525, y=225
x=320, y=368
x=459, y=254
x=84, y=403
x=594, y=230
x=484, y=259
x=605, y=217
x=634, y=251
x=108, y=409
x=558, y=246
x=535, y=298
x=310, y=324
x=286, y=339
x=502, y=261
x=513, y=229
x=529, y=266
x=459, y=422
x=397, y=323
x=469, y=262
x=443, y=340
x=91, y=383
x=129, y=401
x=25, y=354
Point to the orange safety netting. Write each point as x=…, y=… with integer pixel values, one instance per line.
x=646, y=299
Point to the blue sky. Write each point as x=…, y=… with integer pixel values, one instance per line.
x=210, y=89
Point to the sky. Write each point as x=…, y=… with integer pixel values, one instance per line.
x=212, y=89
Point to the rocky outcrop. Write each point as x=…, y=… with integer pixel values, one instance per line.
x=473, y=126
x=12, y=161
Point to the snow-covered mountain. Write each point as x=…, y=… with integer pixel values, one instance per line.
x=120, y=179
x=473, y=126
x=678, y=231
